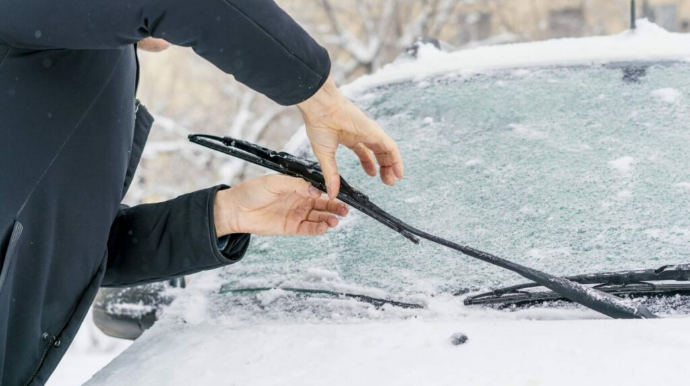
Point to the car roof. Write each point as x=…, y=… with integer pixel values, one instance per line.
x=648, y=42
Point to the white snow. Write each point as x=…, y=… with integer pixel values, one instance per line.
x=538, y=254
x=667, y=95
x=653, y=233
x=648, y=43
x=319, y=274
x=130, y=309
x=683, y=185
x=414, y=200
x=473, y=162
x=624, y=194
x=412, y=352
x=270, y=296
x=623, y=165
x=526, y=132
x=528, y=210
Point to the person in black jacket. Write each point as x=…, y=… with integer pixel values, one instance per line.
x=71, y=135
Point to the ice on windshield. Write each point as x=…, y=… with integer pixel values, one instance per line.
x=567, y=170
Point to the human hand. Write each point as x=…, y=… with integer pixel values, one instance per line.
x=153, y=45
x=275, y=205
x=332, y=120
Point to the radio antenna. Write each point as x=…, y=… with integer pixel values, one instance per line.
x=633, y=17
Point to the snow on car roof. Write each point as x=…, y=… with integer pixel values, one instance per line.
x=648, y=42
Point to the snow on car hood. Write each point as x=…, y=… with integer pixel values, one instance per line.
x=595, y=352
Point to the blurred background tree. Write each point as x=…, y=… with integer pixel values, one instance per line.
x=186, y=94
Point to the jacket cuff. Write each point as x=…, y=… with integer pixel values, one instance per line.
x=303, y=93
x=236, y=245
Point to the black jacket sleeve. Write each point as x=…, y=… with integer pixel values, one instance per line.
x=154, y=242
x=254, y=40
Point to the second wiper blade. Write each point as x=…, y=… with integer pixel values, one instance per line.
x=376, y=302
x=640, y=282
x=311, y=172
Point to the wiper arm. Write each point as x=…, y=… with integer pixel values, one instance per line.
x=634, y=282
x=311, y=171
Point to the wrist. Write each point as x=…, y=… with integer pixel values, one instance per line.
x=225, y=214
x=328, y=96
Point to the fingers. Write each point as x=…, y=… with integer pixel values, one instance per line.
x=330, y=172
x=389, y=159
x=365, y=158
x=332, y=206
x=310, y=228
x=278, y=184
x=384, y=147
x=323, y=217
x=331, y=119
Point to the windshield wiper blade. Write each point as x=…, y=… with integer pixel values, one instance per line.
x=301, y=168
x=311, y=171
x=633, y=283
x=376, y=302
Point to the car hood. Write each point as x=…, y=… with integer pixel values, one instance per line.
x=411, y=352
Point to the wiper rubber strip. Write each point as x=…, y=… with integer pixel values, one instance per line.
x=376, y=302
x=291, y=165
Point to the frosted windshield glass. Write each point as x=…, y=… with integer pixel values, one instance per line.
x=567, y=170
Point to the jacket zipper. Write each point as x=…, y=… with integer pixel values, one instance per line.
x=137, y=103
x=40, y=362
x=52, y=339
x=51, y=343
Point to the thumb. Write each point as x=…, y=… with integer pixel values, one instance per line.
x=330, y=172
x=278, y=184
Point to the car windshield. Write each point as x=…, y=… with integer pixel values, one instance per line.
x=565, y=169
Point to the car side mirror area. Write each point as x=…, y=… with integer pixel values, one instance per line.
x=126, y=313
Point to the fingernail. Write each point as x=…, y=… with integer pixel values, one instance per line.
x=314, y=191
